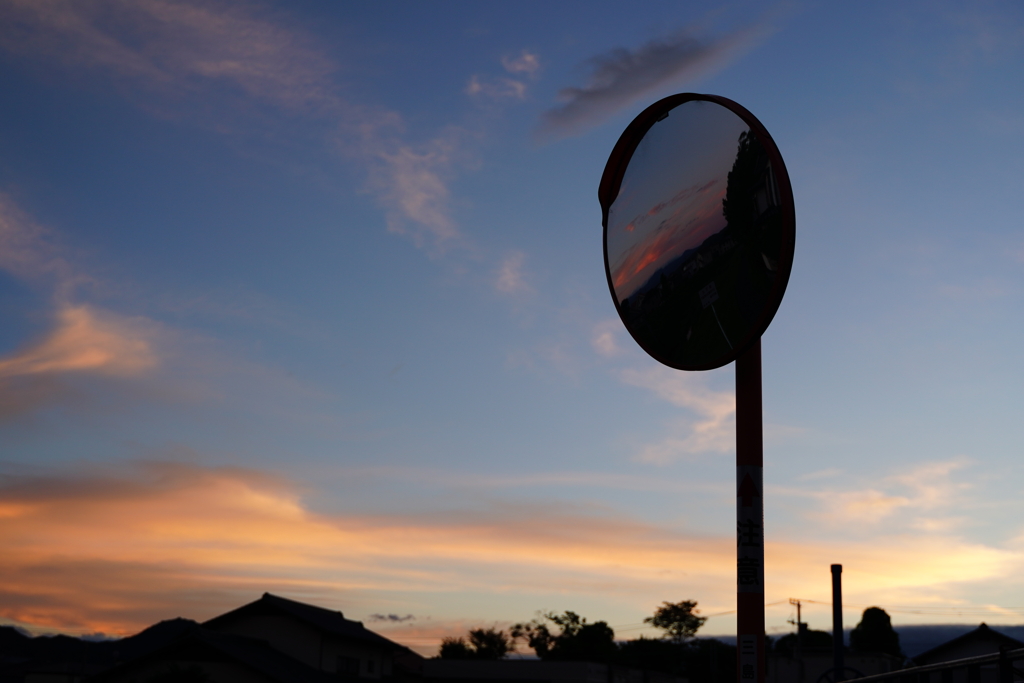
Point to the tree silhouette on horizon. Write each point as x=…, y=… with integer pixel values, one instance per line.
x=575, y=640
x=481, y=644
x=875, y=633
x=679, y=620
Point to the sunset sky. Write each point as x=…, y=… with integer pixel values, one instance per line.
x=309, y=298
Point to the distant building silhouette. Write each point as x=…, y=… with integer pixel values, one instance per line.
x=319, y=638
x=270, y=640
x=981, y=641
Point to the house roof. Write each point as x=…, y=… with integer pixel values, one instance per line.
x=200, y=644
x=329, y=621
x=983, y=633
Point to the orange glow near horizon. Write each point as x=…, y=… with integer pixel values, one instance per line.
x=115, y=554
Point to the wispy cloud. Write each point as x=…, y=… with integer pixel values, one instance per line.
x=82, y=339
x=922, y=495
x=712, y=431
x=511, y=278
x=564, y=480
x=621, y=76
x=112, y=551
x=192, y=59
x=497, y=88
x=411, y=184
x=526, y=63
x=86, y=340
x=604, y=337
x=984, y=33
x=31, y=253
x=513, y=86
x=178, y=46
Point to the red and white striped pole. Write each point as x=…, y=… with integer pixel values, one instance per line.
x=749, y=519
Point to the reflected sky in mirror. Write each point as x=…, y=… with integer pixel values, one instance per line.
x=671, y=195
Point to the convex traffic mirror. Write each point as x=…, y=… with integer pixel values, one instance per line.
x=699, y=230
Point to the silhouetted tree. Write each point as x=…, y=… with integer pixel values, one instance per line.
x=575, y=640
x=679, y=620
x=453, y=647
x=482, y=643
x=874, y=633
x=537, y=635
x=738, y=205
x=489, y=643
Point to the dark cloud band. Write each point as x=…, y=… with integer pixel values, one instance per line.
x=620, y=76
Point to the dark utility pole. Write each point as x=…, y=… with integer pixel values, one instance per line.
x=837, y=622
x=749, y=518
x=799, y=642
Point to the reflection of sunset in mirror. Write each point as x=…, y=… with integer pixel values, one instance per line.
x=698, y=234
x=694, y=214
x=671, y=196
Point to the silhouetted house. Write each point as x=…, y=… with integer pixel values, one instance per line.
x=537, y=671
x=202, y=654
x=271, y=640
x=320, y=638
x=980, y=641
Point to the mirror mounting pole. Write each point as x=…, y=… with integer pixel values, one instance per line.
x=750, y=639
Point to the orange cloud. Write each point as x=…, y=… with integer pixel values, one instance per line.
x=170, y=530
x=113, y=552
x=83, y=338
x=86, y=340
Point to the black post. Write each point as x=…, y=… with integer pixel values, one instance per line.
x=1005, y=667
x=837, y=622
x=750, y=652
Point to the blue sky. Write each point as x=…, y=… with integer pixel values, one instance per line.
x=309, y=298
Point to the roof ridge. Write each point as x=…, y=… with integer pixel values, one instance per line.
x=270, y=597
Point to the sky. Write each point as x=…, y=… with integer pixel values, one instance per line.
x=309, y=298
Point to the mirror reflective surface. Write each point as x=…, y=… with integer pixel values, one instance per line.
x=698, y=240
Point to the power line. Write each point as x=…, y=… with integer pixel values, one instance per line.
x=897, y=609
x=935, y=611
x=634, y=627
